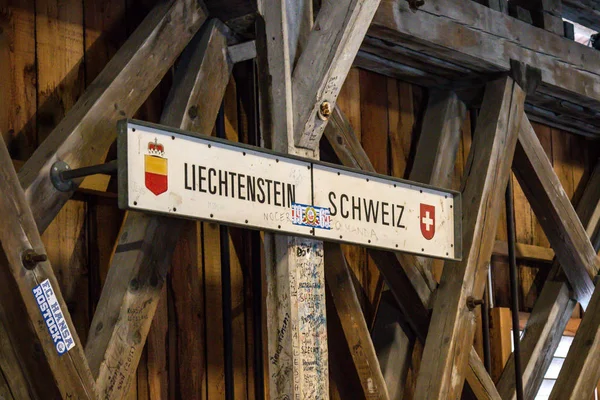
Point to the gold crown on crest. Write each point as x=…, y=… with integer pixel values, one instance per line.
x=156, y=149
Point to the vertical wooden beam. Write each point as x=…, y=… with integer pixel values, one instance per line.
x=452, y=325
x=85, y=134
x=353, y=322
x=297, y=334
x=70, y=374
x=552, y=310
x=323, y=65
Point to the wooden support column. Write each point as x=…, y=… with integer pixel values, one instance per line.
x=83, y=137
x=453, y=324
x=552, y=309
x=353, y=322
x=414, y=294
x=22, y=296
x=296, y=326
x=324, y=63
x=139, y=266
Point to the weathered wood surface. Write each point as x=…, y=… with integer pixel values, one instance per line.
x=414, y=294
x=525, y=252
x=552, y=310
x=83, y=137
x=69, y=374
x=452, y=324
x=555, y=213
x=138, y=268
x=320, y=72
x=580, y=372
x=355, y=328
x=392, y=344
x=295, y=298
x=489, y=39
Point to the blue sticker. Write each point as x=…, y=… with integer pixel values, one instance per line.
x=53, y=316
x=311, y=216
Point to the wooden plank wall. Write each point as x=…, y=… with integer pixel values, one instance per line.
x=51, y=50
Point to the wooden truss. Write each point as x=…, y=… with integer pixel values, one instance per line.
x=302, y=69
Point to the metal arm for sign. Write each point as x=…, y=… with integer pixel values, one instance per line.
x=62, y=175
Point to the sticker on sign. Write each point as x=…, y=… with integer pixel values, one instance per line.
x=168, y=171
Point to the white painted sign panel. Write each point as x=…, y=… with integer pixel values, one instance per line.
x=171, y=172
x=196, y=178
x=385, y=213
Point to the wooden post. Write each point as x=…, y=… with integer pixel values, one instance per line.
x=83, y=137
x=35, y=290
x=296, y=324
x=353, y=322
x=139, y=266
x=452, y=324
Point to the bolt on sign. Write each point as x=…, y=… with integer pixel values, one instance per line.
x=182, y=174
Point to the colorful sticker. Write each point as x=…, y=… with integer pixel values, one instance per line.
x=53, y=316
x=315, y=217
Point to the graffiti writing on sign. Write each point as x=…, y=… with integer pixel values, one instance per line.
x=53, y=317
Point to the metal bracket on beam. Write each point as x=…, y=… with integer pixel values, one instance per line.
x=62, y=175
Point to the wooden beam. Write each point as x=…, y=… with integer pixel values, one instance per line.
x=555, y=213
x=452, y=325
x=83, y=137
x=413, y=294
x=584, y=12
x=353, y=322
x=500, y=339
x=139, y=267
x=525, y=252
x=569, y=71
x=70, y=375
x=552, y=310
x=297, y=333
x=324, y=63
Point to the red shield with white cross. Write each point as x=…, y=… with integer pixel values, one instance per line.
x=427, y=221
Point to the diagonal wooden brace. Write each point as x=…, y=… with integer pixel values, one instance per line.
x=83, y=137
x=139, y=266
x=23, y=268
x=324, y=63
x=453, y=324
x=410, y=286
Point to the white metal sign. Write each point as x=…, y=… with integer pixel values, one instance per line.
x=177, y=173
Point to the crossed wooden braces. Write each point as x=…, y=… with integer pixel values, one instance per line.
x=105, y=370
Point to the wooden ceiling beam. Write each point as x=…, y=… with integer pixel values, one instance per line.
x=321, y=70
x=139, y=266
x=488, y=41
x=34, y=288
x=452, y=324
